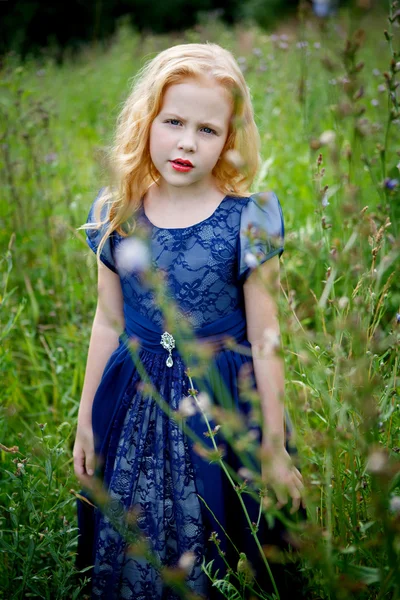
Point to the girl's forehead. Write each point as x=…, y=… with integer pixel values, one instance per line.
x=190, y=93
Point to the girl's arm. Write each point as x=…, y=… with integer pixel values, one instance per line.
x=260, y=292
x=108, y=323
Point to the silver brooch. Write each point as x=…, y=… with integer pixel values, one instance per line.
x=168, y=342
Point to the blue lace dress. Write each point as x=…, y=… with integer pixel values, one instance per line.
x=147, y=461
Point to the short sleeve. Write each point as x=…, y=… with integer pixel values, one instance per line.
x=262, y=232
x=94, y=236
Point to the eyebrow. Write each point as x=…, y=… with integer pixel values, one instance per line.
x=206, y=124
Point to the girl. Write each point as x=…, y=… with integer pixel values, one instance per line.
x=185, y=155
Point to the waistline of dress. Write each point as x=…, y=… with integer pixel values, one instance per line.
x=215, y=334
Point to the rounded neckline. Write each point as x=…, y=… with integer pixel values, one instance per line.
x=189, y=226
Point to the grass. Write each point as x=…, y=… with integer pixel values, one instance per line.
x=326, y=102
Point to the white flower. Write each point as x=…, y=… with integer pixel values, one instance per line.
x=250, y=260
x=203, y=402
x=394, y=504
x=271, y=340
x=132, y=254
x=187, y=561
x=343, y=302
x=376, y=462
x=327, y=138
x=187, y=407
x=325, y=201
x=246, y=473
x=234, y=158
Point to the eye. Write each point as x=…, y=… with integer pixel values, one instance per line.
x=211, y=130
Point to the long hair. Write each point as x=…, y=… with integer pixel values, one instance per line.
x=131, y=166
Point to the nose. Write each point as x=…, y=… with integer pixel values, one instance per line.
x=187, y=142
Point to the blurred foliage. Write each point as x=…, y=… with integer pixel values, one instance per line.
x=31, y=27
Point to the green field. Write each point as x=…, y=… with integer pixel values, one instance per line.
x=327, y=106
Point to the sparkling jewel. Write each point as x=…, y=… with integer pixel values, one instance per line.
x=168, y=342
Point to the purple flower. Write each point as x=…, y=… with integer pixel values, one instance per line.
x=51, y=157
x=325, y=201
x=390, y=184
x=398, y=318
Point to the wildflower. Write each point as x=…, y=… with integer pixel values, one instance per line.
x=343, y=302
x=376, y=463
x=381, y=88
x=375, y=102
x=376, y=72
x=214, y=538
x=51, y=157
x=203, y=402
x=246, y=473
x=398, y=318
x=250, y=260
x=390, y=184
x=327, y=138
x=325, y=201
x=271, y=340
x=394, y=504
x=132, y=254
x=234, y=158
x=187, y=407
x=187, y=561
x=317, y=45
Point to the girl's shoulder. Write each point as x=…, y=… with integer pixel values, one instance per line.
x=261, y=209
x=261, y=231
x=264, y=208
x=98, y=220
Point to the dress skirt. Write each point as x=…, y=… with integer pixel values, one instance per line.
x=162, y=477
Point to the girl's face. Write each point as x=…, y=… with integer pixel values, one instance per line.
x=192, y=125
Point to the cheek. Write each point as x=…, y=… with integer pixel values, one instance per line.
x=159, y=138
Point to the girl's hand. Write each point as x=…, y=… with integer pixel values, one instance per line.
x=83, y=453
x=280, y=474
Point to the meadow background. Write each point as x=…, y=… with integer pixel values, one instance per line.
x=325, y=95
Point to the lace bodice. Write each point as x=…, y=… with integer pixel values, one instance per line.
x=206, y=263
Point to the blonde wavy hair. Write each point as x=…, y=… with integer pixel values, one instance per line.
x=132, y=169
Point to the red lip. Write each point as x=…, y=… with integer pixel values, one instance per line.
x=182, y=161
